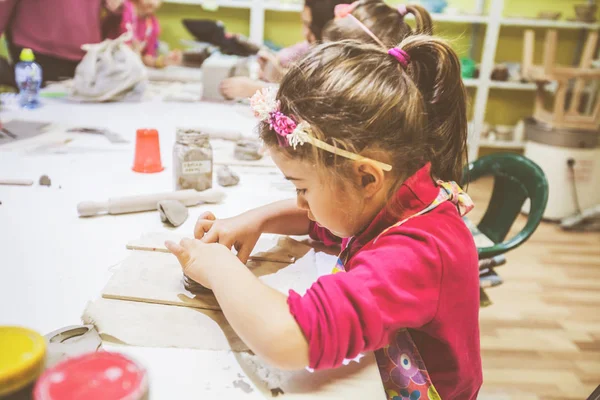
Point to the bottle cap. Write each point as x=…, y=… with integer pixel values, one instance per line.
x=22, y=361
x=27, y=55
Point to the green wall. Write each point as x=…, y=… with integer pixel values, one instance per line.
x=504, y=107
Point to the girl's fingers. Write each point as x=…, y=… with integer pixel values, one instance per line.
x=244, y=252
x=178, y=251
x=212, y=236
x=207, y=215
x=202, y=227
x=187, y=243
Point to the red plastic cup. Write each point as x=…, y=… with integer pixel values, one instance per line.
x=147, y=152
x=93, y=376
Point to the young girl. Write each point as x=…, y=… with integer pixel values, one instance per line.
x=371, y=139
x=139, y=19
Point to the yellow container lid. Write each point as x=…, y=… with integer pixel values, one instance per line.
x=22, y=358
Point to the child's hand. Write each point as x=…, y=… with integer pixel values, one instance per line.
x=114, y=5
x=240, y=87
x=175, y=58
x=241, y=232
x=270, y=68
x=199, y=260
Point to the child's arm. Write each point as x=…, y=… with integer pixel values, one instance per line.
x=259, y=314
x=243, y=231
x=113, y=6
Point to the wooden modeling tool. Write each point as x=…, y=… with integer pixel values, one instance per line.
x=124, y=205
x=16, y=182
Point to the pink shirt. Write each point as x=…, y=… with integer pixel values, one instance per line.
x=422, y=275
x=293, y=53
x=145, y=30
x=53, y=27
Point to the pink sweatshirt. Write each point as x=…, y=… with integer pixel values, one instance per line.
x=422, y=275
x=145, y=29
x=53, y=27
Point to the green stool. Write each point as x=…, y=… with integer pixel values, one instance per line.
x=516, y=179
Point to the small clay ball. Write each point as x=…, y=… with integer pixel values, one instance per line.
x=45, y=181
x=226, y=177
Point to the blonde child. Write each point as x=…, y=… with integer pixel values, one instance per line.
x=140, y=21
x=372, y=139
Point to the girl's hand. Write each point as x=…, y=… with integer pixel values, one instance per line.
x=175, y=57
x=200, y=260
x=239, y=87
x=241, y=232
x=114, y=5
x=270, y=68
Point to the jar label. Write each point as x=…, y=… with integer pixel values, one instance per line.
x=196, y=167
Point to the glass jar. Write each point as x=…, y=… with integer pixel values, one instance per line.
x=192, y=160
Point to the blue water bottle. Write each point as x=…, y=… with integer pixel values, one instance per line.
x=28, y=75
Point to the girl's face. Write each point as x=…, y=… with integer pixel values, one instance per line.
x=148, y=7
x=306, y=23
x=338, y=210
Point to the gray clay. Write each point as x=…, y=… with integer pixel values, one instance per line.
x=172, y=211
x=194, y=287
x=45, y=181
x=226, y=177
x=247, y=150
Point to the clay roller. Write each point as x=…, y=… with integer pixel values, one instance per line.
x=124, y=205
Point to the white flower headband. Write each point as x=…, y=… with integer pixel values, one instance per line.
x=291, y=133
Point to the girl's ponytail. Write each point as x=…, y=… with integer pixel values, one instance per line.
x=435, y=69
x=423, y=21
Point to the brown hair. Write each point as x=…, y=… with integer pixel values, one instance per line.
x=361, y=99
x=384, y=21
x=321, y=13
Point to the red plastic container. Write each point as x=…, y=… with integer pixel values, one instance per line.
x=94, y=376
x=147, y=152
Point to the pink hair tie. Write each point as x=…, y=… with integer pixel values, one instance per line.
x=400, y=55
x=402, y=10
x=343, y=10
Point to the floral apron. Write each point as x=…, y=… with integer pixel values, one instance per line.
x=401, y=367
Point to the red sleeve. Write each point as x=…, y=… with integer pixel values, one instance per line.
x=127, y=18
x=6, y=10
x=320, y=234
x=391, y=285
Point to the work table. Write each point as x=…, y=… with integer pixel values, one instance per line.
x=54, y=262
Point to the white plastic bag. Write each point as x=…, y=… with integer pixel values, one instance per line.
x=110, y=71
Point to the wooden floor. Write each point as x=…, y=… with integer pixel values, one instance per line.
x=541, y=337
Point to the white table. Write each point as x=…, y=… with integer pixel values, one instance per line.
x=53, y=262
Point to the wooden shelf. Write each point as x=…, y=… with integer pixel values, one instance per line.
x=501, y=144
x=470, y=82
x=547, y=23
x=461, y=19
x=512, y=85
x=271, y=5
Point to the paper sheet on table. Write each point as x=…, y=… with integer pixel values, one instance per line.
x=137, y=307
x=156, y=325
x=153, y=277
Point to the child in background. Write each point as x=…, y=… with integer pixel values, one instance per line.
x=139, y=19
x=372, y=139
x=315, y=15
